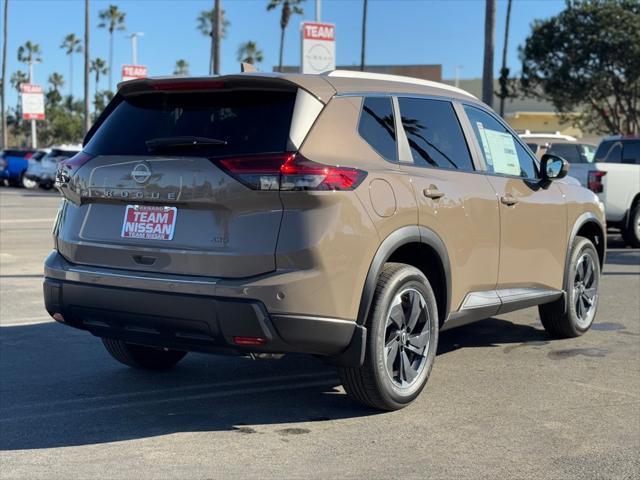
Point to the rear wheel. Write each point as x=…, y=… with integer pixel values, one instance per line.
x=139, y=356
x=27, y=182
x=573, y=315
x=631, y=233
x=401, y=342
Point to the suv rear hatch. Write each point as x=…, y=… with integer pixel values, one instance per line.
x=148, y=192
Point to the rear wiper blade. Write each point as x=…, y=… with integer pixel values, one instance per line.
x=187, y=141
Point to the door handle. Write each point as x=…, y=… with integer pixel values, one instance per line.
x=508, y=200
x=432, y=192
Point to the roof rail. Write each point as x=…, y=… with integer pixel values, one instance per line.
x=395, y=78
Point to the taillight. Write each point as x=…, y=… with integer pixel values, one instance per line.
x=290, y=172
x=594, y=180
x=66, y=168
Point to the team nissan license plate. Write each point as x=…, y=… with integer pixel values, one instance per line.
x=149, y=223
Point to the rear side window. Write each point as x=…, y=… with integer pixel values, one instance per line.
x=567, y=151
x=242, y=122
x=609, y=151
x=377, y=126
x=434, y=134
x=631, y=152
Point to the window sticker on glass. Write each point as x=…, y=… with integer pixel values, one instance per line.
x=485, y=144
x=503, y=153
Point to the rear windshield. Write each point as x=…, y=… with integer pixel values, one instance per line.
x=245, y=122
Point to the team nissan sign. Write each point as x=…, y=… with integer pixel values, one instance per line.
x=318, y=47
x=32, y=101
x=131, y=72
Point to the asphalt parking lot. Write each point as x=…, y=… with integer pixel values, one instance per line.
x=504, y=400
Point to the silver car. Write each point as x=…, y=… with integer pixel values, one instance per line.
x=42, y=170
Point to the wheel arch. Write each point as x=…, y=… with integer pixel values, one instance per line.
x=417, y=246
x=589, y=226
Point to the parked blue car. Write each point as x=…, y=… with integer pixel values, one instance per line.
x=14, y=164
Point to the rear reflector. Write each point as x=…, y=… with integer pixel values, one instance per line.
x=594, y=180
x=290, y=172
x=250, y=341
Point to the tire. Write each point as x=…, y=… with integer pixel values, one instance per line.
x=374, y=384
x=573, y=315
x=28, y=183
x=139, y=356
x=631, y=233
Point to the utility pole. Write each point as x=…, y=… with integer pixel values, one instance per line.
x=134, y=46
x=4, y=76
x=457, y=76
x=218, y=34
x=86, y=67
x=489, y=41
x=34, y=131
x=504, y=71
x=364, y=34
x=318, y=11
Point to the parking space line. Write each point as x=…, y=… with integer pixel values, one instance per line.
x=26, y=220
x=27, y=322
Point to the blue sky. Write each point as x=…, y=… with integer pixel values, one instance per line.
x=448, y=32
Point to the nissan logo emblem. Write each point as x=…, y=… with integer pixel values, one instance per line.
x=141, y=173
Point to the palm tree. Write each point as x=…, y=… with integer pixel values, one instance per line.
x=289, y=7
x=30, y=53
x=87, y=119
x=182, y=67
x=17, y=78
x=99, y=67
x=4, y=74
x=72, y=45
x=489, y=41
x=112, y=19
x=207, y=25
x=364, y=34
x=504, y=70
x=57, y=82
x=248, y=52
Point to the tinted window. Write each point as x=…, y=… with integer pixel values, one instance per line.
x=377, y=126
x=434, y=134
x=609, y=151
x=631, y=152
x=533, y=147
x=248, y=121
x=567, y=151
x=502, y=153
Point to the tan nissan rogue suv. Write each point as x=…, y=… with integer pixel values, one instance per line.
x=350, y=216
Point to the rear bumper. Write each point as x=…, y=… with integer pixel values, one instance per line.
x=184, y=321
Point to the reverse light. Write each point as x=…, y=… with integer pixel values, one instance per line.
x=290, y=172
x=594, y=181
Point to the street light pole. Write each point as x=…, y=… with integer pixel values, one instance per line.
x=134, y=46
x=318, y=11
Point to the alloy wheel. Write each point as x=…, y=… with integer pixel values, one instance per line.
x=407, y=338
x=585, y=290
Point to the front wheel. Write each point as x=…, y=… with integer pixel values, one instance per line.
x=573, y=315
x=401, y=342
x=139, y=356
x=28, y=183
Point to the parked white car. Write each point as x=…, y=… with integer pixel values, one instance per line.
x=615, y=176
x=42, y=171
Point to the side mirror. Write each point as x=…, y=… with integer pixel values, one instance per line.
x=553, y=167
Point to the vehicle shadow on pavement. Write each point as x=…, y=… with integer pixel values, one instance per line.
x=59, y=388
x=491, y=332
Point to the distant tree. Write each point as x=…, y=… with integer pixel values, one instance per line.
x=99, y=67
x=182, y=67
x=289, y=7
x=112, y=19
x=71, y=45
x=207, y=25
x=18, y=77
x=586, y=59
x=248, y=52
x=29, y=53
x=100, y=102
x=56, y=82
